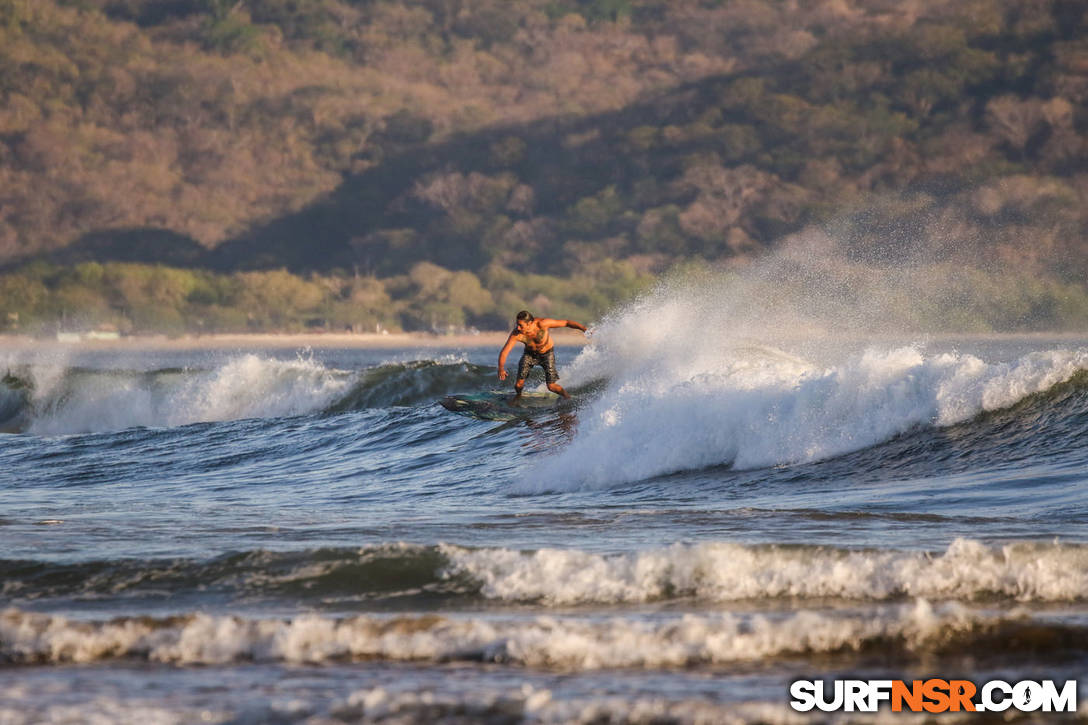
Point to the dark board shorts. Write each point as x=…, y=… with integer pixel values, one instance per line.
x=545, y=360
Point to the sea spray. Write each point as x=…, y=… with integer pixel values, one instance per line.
x=790, y=362
x=52, y=397
x=62, y=400
x=255, y=387
x=756, y=411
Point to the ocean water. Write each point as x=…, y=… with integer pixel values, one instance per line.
x=248, y=536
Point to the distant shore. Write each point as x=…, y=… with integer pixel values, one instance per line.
x=493, y=339
x=264, y=341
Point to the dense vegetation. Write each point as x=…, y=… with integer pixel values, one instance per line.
x=154, y=298
x=427, y=163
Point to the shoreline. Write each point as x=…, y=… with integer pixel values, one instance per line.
x=281, y=341
x=493, y=338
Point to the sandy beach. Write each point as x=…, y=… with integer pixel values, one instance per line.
x=494, y=338
x=274, y=341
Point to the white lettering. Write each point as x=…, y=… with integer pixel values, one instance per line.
x=804, y=695
x=1064, y=701
x=989, y=704
x=994, y=696
x=1027, y=696
x=855, y=697
x=829, y=705
x=879, y=691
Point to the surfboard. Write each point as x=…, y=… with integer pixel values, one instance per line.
x=497, y=405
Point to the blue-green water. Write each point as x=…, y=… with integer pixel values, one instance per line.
x=306, y=536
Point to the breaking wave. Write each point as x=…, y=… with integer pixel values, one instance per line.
x=434, y=704
x=668, y=409
x=54, y=400
x=555, y=642
x=393, y=575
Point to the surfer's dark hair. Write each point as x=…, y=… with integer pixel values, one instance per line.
x=525, y=315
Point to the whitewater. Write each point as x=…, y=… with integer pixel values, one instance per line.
x=743, y=495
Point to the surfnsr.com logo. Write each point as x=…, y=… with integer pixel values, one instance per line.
x=933, y=695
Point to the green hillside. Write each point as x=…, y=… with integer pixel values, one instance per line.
x=435, y=163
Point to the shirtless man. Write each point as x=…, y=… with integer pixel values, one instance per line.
x=539, y=350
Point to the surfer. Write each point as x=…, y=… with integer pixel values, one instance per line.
x=539, y=350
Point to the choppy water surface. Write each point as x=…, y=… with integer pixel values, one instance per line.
x=306, y=536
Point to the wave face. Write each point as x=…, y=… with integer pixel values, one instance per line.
x=394, y=575
x=55, y=399
x=679, y=399
x=648, y=408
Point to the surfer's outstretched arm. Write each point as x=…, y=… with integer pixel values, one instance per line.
x=562, y=323
x=510, y=342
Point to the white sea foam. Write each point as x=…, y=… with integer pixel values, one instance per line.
x=403, y=704
x=698, y=375
x=247, y=386
x=540, y=705
x=967, y=571
x=725, y=572
x=565, y=643
x=543, y=706
x=102, y=710
x=676, y=401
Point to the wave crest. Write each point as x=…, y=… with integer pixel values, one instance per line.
x=391, y=575
x=55, y=400
x=563, y=643
x=752, y=407
x=724, y=572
